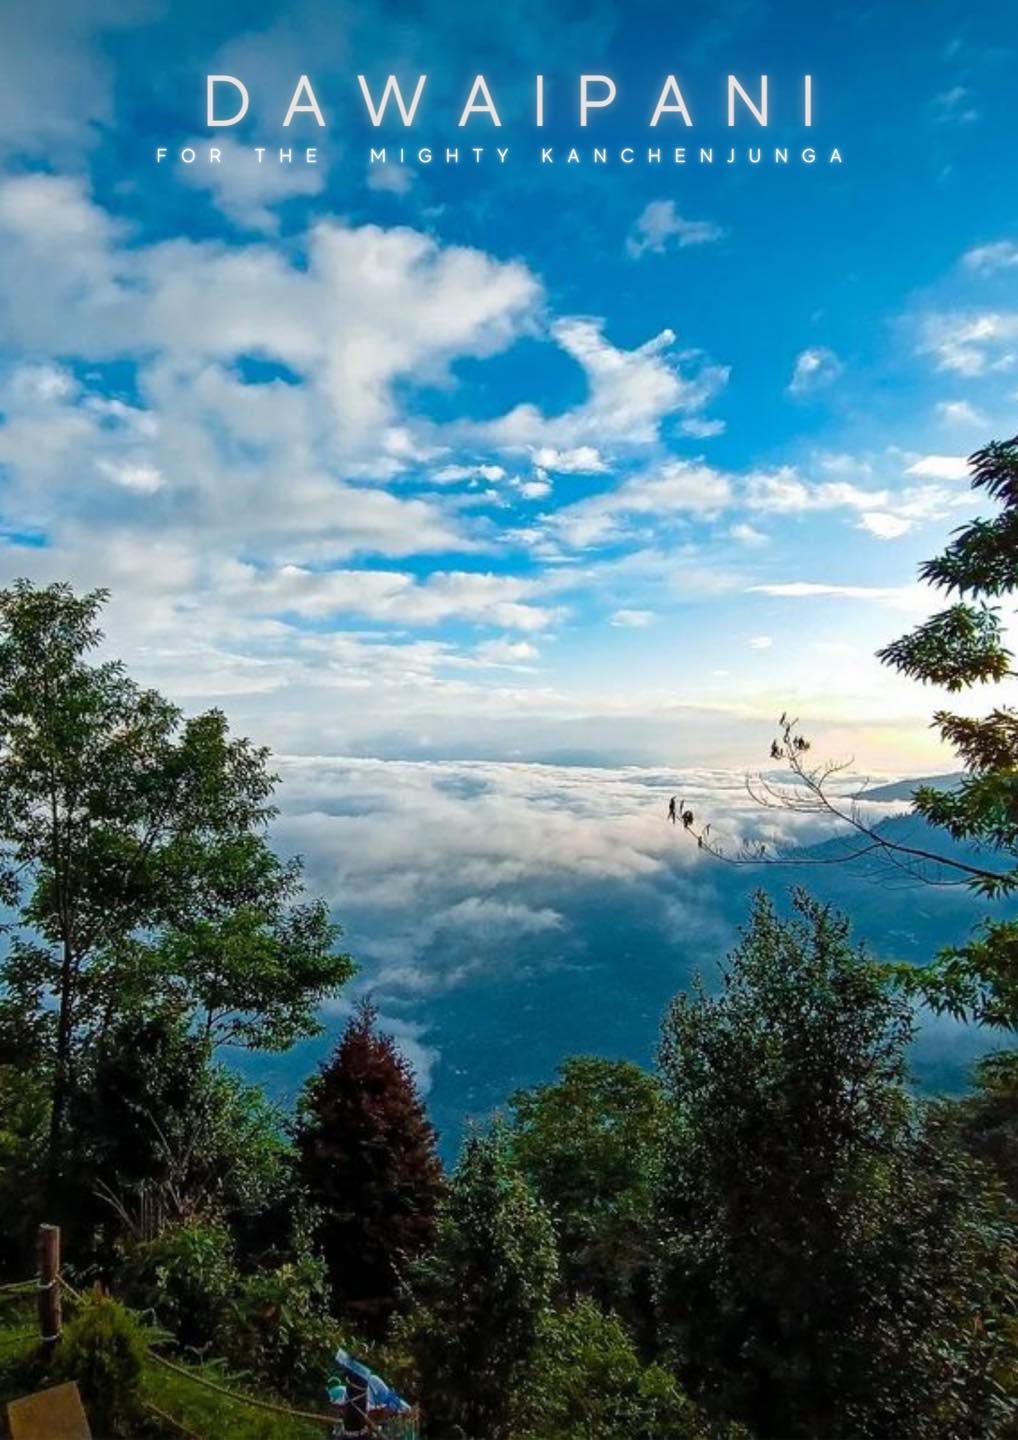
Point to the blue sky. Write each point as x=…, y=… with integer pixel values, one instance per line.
x=512, y=461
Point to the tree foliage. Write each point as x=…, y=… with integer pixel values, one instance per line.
x=829, y=1262
x=589, y=1144
x=481, y=1296
x=133, y=853
x=162, y=1134
x=987, y=1118
x=367, y=1158
x=586, y=1382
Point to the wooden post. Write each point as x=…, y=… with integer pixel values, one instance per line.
x=49, y=1284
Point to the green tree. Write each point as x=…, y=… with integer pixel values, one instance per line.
x=589, y=1145
x=132, y=849
x=832, y=1265
x=480, y=1296
x=24, y=1113
x=366, y=1156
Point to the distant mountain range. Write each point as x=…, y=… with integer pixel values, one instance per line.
x=905, y=789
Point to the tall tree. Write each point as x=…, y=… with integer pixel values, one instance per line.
x=482, y=1295
x=589, y=1144
x=133, y=852
x=831, y=1265
x=958, y=648
x=366, y=1155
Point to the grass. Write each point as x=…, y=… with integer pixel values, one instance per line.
x=196, y=1410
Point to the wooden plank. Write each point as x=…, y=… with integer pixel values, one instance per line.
x=56, y=1414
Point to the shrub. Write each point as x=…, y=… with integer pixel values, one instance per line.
x=185, y=1277
x=277, y=1326
x=103, y=1349
x=585, y=1382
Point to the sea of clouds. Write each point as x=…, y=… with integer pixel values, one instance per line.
x=505, y=914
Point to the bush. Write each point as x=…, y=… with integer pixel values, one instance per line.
x=277, y=1326
x=585, y=1382
x=185, y=1276
x=103, y=1349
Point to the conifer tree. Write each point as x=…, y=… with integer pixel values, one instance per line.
x=366, y=1154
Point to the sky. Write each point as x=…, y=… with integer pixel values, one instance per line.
x=507, y=460
x=503, y=498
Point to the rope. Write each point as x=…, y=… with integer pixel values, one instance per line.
x=330, y=1420
x=170, y=1420
x=27, y=1286
x=192, y=1375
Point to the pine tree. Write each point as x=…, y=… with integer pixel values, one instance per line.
x=366, y=1153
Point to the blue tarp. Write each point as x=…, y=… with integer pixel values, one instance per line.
x=380, y=1396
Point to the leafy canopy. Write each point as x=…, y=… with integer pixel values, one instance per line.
x=134, y=858
x=829, y=1259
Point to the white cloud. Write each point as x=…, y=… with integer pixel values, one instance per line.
x=453, y=474
x=906, y=597
x=630, y=392
x=961, y=412
x=954, y=107
x=534, y=489
x=969, y=343
x=1001, y=255
x=391, y=179
x=784, y=492
x=145, y=478
x=675, y=488
x=507, y=652
x=247, y=191
x=57, y=86
x=660, y=227
x=581, y=460
x=761, y=642
x=940, y=467
x=386, y=595
x=369, y=307
x=883, y=525
x=631, y=619
x=814, y=368
x=700, y=429
x=747, y=534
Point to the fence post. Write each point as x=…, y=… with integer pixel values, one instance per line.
x=49, y=1284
